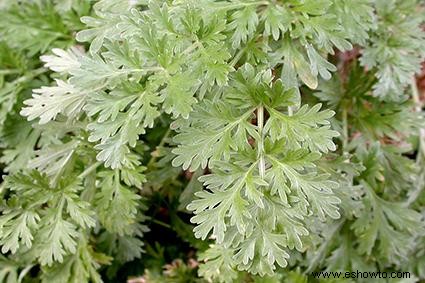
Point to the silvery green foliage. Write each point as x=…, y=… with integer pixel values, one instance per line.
x=55, y=194
x=395, y=47
x=232, y=76
x=181, y=59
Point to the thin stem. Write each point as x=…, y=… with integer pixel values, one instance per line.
x=345, y=129
x=144, y=70
x=89, y=177
x=161, y=144
x=421, y=147
x=418, y=108
x=89, y=169
x=324, y=247
x=290, y=111
x=9, y=72
x=58, y=175
x=117, y=180
x=260, y=124
x=194, y=46
x=241, y=5
x=417, y=192
x=237, y=57
x=60, y=207
x=30, y=75
x=162, y=224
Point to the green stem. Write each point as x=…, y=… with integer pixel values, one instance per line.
x=241, y=5
x=89, y=169
x=162, y=224
x=345, y=129
x=60, y=207
x=418, y=108
x=417, y=192
x=9, y=72
x=195, y=45
x=324, y=247
x=89, y=177
x=260, y=124
x=58, y=175
x=421, y=147
x=30, y=75
x=237, y=57
x=144, y=70
x=117, y=180
x=290, y=111
x=161, y=144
